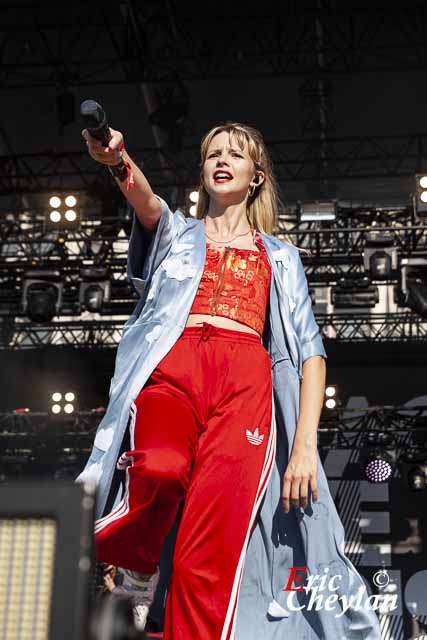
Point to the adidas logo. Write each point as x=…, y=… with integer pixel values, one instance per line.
x=254, y=438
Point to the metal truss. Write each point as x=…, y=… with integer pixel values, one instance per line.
x=295, y=161
x=98, y=334
x=339, y=429
x=154, y=42
x=373, y=327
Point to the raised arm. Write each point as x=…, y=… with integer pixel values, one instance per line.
x=141, y=197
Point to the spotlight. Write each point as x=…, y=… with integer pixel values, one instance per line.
x=194, y=196
x=380, y=257
x=412, y=288
x=41, y=294
x=63, y=402
x=70, y=201
x=55, y=216
x=55, y=202
x=63, y=216
x=193, y=210
x=354, y=293
x=95, y=288
x=417, y=477
x=70, y=215
x=316, y=211
x=378, y=467
x=420, y=195
x=331, y=399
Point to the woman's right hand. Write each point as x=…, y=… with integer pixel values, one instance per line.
x=110, y=155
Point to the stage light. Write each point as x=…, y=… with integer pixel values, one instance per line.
x=41, y=294
x=420, y=195
x=354, y=293
x=55, y=216
x=71, y=201
x=380, y=256
x=330, y=403
x=193, y=210
x=64, y=215
x=412, y=288
x=316, y=211
x=55, y=202
x=95, y=288
x=378, y=467
x=63, y=402
x=194, y=196
x=71, y=215
x=417, y=477
x=46, y=542
x=330, y=391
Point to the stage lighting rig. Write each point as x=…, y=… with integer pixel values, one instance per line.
x=380, y=257
x=412, y=288
x=42, y=294
x=191, y=200
x=63, y=213
x=95, y=288
x=316, y=211
x=63, y=403
x=378, y=463
x=354, y=293
x=420, y=195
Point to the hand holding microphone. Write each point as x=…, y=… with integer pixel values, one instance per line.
x=110, y=154
x=105, y=145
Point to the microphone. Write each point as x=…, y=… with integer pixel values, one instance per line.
x=95, y=121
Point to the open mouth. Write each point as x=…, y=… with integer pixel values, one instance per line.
x=222, y=176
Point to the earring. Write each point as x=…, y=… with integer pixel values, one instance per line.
x=251, y=190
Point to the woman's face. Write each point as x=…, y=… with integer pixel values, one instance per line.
x=227, y=170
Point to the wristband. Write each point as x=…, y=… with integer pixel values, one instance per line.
x=123, y=171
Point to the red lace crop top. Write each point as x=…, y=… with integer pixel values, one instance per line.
x=235, y=284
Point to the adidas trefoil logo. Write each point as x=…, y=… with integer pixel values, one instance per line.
x=255, y=437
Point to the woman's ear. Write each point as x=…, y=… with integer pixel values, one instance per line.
x=258, y=178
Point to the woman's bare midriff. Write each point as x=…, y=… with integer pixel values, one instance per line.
x=195, y=319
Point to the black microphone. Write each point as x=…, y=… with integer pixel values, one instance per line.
x=95, y=121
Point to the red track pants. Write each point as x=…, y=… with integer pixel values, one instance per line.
x=202, y=429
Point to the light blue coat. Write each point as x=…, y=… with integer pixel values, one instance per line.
x=166, y=270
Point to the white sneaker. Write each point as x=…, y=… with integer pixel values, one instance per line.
x=143, y=588
x=140, y=613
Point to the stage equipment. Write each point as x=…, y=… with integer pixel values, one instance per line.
x=46, y=559
x=378, y=464
x=380, y=257
x=378, y=467
x=417, y=477
x=63, y=214
x=63, y=402
x=420, y=195
x=95, y=288
x=331, y=397
x=354, y=293
x=412, y=289
x=316, y=211
x=42, y=294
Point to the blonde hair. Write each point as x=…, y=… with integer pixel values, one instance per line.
x=264, y=203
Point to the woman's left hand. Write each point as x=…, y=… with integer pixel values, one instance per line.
x=300, y=474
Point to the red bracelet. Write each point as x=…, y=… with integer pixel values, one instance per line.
x=130, y=181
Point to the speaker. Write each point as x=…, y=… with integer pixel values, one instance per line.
x=46, y=559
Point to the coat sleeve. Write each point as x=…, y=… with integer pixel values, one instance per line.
x=304, y=322
x=148, y=249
